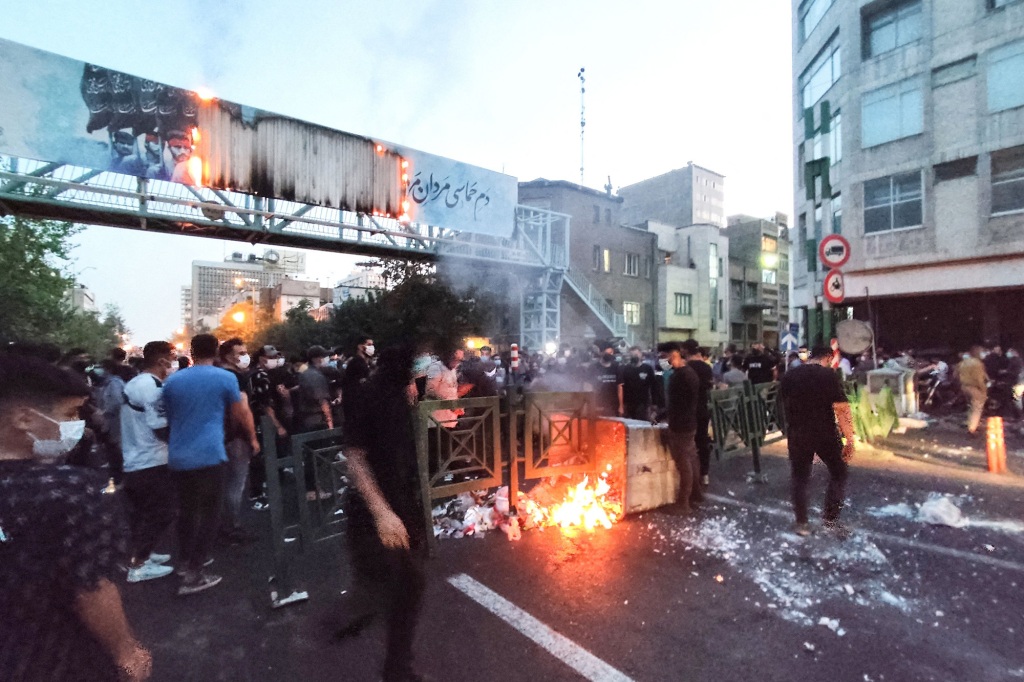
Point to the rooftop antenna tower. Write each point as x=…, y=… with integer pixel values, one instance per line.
x=583, y=116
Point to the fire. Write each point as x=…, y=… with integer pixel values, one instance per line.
x=586, y=505
x=195, y=170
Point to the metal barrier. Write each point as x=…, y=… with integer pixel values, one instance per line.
x=747, y=417
x=305, y=485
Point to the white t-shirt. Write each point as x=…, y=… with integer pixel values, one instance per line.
x=443, y=384
x=141, y=448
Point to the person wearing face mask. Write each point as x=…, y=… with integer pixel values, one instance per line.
x=357, y=371
x=606, y=382
x=61, y=539
x=313, y=409
x=234, y=357
x=148, y=487
x=641, y=391
x=695, y=361
x=199, y=402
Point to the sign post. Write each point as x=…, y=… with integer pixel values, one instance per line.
x=834, y=251
x=834, y=288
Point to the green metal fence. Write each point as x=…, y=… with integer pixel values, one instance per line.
x=747, y=417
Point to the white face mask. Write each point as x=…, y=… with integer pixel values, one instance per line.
x=370, y=350
x=172, y=369
x=664, y=364
x=70, y=433
x=243, y=361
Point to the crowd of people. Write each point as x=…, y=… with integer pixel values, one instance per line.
x=100, y=461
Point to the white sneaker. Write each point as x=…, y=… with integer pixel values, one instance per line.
x=159, y=558
x=148, y=571
x=705, y=480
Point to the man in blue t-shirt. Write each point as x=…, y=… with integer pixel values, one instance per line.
x=198, y=402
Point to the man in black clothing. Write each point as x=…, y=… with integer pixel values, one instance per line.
x=759, y=367
x=313, y=398
x=683, y=390
x=61, y=540
x=480, y=372
x=813, y=398
x=357, y=371
x=387, y=536
x=606, y=380
x=641, y=389
x=695, y=361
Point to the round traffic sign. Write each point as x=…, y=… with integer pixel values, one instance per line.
x=834, y=289
x=834, y=251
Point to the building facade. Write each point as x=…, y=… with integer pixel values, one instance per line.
x=82, y=299
x=758, y=280
x=617, y=260
x=358, y=285
x=692, y=301
x=909, y=141
x=215, y=284
x=685, y=196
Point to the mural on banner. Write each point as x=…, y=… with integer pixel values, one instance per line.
x=64, y=111
x=59, y=110
x=150, y=126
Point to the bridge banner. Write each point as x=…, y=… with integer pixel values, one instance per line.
x=60, y=110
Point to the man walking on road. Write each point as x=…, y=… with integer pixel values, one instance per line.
x=683, y=389
x=386, y=535
x=199, y=401
x=974, y=382
x=814, y=402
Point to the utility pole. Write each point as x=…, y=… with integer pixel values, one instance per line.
x=583, y=116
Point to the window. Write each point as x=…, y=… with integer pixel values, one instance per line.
x=721, y=309
x=684, y=304
x=647, y=267
x=892, y=112
x=752, y=333
x=959, y=168
x=597, y=214
x=835, y=140
x=597, y=257
x=606, y=260
x=954, y=71
x=811, y=13
x=736, y=288
x=631, y=311
x=822, y=73
x=608, y=216
x=713, y=249
x=996, y=4
x=769, y=244
x=893, y=202
x=837, y=214
x=1008, y=180
x=632, y=265
x=751, y=289
x=801, y=161
x=1006, y=77
x=737, y=332
x=891, y=28
x=818, y=233
x=769, y=277
x=721, y=267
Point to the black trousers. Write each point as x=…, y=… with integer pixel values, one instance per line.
x=683, y=448
x=703, y=439
x=153, y=504
x=199, y=494
x=390, y=583
x=828, y=447
x=641, y=411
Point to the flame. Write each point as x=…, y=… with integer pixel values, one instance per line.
x=195, y=170
x=196, y=137
x=586, y=506
x=204, y=94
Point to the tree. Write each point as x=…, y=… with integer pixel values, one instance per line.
x=86, y=329
x=33, y=279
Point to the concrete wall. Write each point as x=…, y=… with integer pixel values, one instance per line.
x=680, y=197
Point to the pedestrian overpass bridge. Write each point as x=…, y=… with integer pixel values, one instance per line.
x=116, y=150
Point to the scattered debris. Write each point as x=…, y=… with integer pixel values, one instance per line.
x=940, y=511
x=808, y=646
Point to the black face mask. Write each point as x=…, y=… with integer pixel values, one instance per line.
x=606, y=360
x=635, y=360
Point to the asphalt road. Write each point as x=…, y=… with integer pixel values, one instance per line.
x=727, y=595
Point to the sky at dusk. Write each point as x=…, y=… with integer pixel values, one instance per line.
x=492, y=84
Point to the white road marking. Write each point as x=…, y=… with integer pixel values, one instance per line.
x=564, y=649
x=885, y=537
